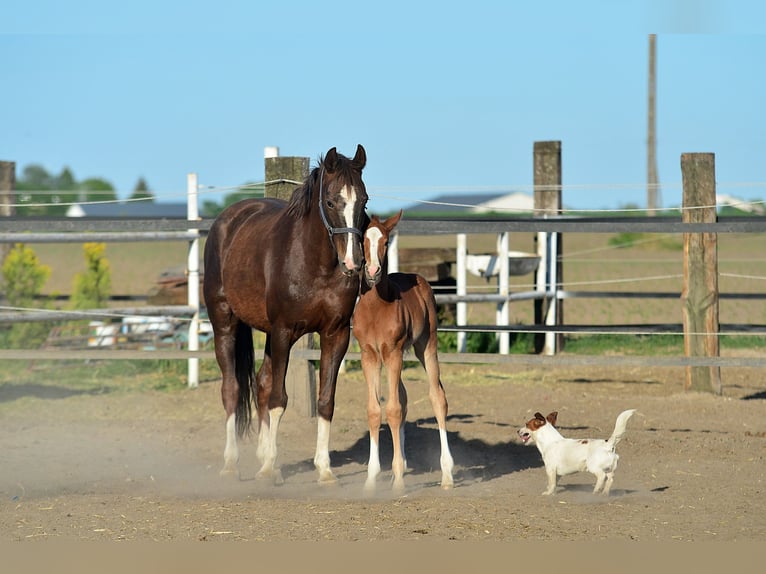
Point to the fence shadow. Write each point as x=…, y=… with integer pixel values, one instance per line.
x=10, y=393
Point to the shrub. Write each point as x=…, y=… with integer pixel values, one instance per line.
x=93, y=287
x=23, y=278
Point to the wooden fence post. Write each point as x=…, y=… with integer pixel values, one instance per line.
x=283, y=175
x=7, y=198
x=547, y=201
x=700, y=291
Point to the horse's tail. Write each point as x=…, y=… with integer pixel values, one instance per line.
x=244, y=368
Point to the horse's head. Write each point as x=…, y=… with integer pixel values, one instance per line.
x=342, y=201
x=376, y=247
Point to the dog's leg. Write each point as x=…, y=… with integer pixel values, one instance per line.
x=551, y=472
x=600, y=478
x=608, y=485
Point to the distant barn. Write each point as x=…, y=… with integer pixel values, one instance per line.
x=515, y=202
x=136, y=209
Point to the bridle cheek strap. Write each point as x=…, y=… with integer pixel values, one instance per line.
x=330, y=229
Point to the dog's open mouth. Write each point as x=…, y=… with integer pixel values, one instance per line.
x=525, y=436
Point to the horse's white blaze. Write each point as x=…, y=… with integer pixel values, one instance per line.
x=349, y=194
x=374, y=236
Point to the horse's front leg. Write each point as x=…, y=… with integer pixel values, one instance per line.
x=333, y=348
x=371, y=368
x=396, y=415
x=272, y=402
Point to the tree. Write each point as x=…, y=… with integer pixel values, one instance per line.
x=33, y=189
x=142, y=191
x=97, y=189
x=40, y=193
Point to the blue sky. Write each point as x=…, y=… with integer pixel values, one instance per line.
x=445, y=96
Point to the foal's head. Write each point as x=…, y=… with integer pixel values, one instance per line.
x=376, y=245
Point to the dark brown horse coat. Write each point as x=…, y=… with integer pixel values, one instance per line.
x=286, y=269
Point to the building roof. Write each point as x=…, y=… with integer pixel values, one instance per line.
x=141, y=209
x=476, y=202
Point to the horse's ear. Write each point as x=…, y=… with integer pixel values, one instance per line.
x=360, y=159
x=391, y=222
x=330, y=161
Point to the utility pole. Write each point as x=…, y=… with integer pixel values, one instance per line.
x=652, y=183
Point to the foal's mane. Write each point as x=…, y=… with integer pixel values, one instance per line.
x=300, y=202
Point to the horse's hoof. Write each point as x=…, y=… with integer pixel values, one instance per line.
x=274, y=476
x=327, y=478
x=229, y=473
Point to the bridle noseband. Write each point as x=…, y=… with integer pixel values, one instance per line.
x=330, y=229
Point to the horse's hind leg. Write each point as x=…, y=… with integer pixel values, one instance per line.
x=269, y=417
x=224, y=353
x=427, y=354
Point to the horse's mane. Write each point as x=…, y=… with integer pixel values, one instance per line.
x=300, y=202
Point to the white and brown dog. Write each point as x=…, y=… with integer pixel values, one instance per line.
x=563, y=456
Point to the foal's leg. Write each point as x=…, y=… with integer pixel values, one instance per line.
x=428, y=356
x=396, y=414
x=371, y=368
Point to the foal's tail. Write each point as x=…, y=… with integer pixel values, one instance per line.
x=620, y=426
x=244, y=368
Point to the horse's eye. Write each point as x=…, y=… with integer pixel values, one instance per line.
x=330, y=204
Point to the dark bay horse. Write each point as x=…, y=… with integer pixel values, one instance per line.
x=287, y=269
x=395, y=312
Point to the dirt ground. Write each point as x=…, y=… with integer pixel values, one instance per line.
x=126, y=465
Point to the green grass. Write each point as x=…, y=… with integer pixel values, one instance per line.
x=103, y=376
x=625, y=344
x=656, y=344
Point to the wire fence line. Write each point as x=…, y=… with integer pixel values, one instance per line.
x=24, y=229
x=379, y=193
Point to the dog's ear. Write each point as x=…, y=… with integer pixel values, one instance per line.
x=551, y=418
x=537, y=422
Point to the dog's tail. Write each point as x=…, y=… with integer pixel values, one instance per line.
x=620, y=427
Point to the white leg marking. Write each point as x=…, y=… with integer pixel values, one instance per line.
x=231, y=450
x=446, y=461
x=404, y=451
x=322, y=454
x=373, y=466
x=267, y=446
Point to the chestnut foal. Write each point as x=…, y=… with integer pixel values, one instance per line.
x=393, y=313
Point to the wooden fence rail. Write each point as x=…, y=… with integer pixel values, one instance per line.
x=39, y=230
